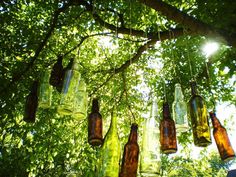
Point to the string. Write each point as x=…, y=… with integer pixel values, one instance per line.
x=164, y=86
x=188, y=56
x=173, y=56
x=209, y=86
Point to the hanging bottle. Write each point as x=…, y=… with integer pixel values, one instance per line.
x=69, y=90
x=81, y=101
x=167, y=132
x=199, y=119
x=179, y=109
x=31, y=104
x=129, y=164
x=110, y=152
x=95, y=125
x=150, y=160
x=56, y=74
x=222, y=140
x=45, y=91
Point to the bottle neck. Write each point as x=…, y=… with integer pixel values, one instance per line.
x=34, y=89
x=59, y=60
x=95, y=106
x=166, y=110
x=133, y=137
x=178, y=93
x=70, y=65
x=193, y=88
x=216, y=123
x=154, y=109
x=113, y=126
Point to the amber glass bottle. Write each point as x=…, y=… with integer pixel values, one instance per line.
x=222, y=140
x=95, y=125
x=31, y=103
x=56, y=79
x=199, y=119
x=167, y=132
x=129, y=165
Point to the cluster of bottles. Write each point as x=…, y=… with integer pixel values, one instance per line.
x=66, y=80
x=199, y=124
x=158, y=136
x=109, y=161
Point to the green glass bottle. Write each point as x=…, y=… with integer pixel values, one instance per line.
x=199, y=119
x=179, y=109
x=45, y=91
x=150, y=160
x=69, y=90
x=80, y=109
x=110, y=152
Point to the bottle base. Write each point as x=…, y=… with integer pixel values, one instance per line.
x=95, y=142
x=169, y=151
x=64, y=111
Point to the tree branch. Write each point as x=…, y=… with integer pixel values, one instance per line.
x=196, y=26
x=136, y=57
x=17, y=77
x=163, y=35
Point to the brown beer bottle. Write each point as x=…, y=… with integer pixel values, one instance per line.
x=222, y=140
x=129, y=165
x=199, y=118
x=31, y=104
x=56, y=79
x=167, y=132
x=95, y=125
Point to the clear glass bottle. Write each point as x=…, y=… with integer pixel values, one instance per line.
x=179, y=109
x=129, y=164
x=45, y=91
x=167, y=132
x=199, y=118
x=95, y=125
x=81, y=101
x=69, y=90
x=222, y=140
x=110, y=152
x=31, y=104
x=150, y=160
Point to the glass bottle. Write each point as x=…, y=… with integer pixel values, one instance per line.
x=110, y=152
x=69, y=90
x=129, y=164
x=167, y=132
x=199, y=119
x=150, y=160
x=56, y=74
x=81, y=101
x=222, y=140
x=45, y=91
x=95, y=125
x=31, y=104
x=179, y=109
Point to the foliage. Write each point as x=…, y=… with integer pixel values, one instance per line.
x=35, y=33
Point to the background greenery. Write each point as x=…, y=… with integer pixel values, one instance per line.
x=120, y=66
